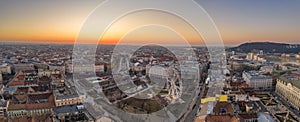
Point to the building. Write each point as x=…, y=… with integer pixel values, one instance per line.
x=77, y=68
x=285, y=55
x=41, y=67
x=190, y=70
x=254, y=57
x=24, y=78
x=250, y=56
x=69, y=97
x=1, y=78
x=5, y=68
x=288, y=86
x=236, y=64
x=249, y=117
x=258, y=80
x=153, y=70
x=297, y=55
x=222, y=111
x=23, y=66
x=30, y=101
x=58, y=78
x=2, y=88
x=3, y=107
x=66, y=95
x=221, y=118
x=223, y=108
x=69, y=68
x=72, y=113
x=99, y=67
x=59, y=67
x=268, y=69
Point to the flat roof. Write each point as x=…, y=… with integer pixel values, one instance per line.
x=256, y=75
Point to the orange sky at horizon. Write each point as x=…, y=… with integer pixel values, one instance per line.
x=61, y=21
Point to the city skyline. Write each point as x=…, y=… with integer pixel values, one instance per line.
x=237, y=21
x=149, y=61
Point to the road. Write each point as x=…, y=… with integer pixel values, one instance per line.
x=192, y=115
x=263, y=108
x=286, y=104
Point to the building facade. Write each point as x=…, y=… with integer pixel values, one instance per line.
x=3, y=107
x=258, y=80
x=288, y=86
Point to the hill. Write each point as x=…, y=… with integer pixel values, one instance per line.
x=269, y=47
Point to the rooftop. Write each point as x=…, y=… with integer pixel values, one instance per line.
x=20, y=79
x=248, y=116
x=65, y=109
x=66, y=93
x=223, y=108
x=256, y=75
x=30, y=105
x=239, y=84
x=221, y=118
x=297, y=72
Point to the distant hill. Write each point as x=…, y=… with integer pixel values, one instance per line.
x=267, y=47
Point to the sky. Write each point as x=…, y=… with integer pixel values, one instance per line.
x=238, y=21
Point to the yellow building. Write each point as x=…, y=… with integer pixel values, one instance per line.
x=68, y=100
x=67, y=95
x=221, y=98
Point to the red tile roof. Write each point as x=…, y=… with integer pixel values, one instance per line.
x=247, y=116
x=20, y=80
x=28, y=105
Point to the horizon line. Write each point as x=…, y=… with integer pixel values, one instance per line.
x=73, y=43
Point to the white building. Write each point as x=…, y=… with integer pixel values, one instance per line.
x=257, y=80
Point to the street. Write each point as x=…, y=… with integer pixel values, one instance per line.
x=286, y=104
x=191, y=116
